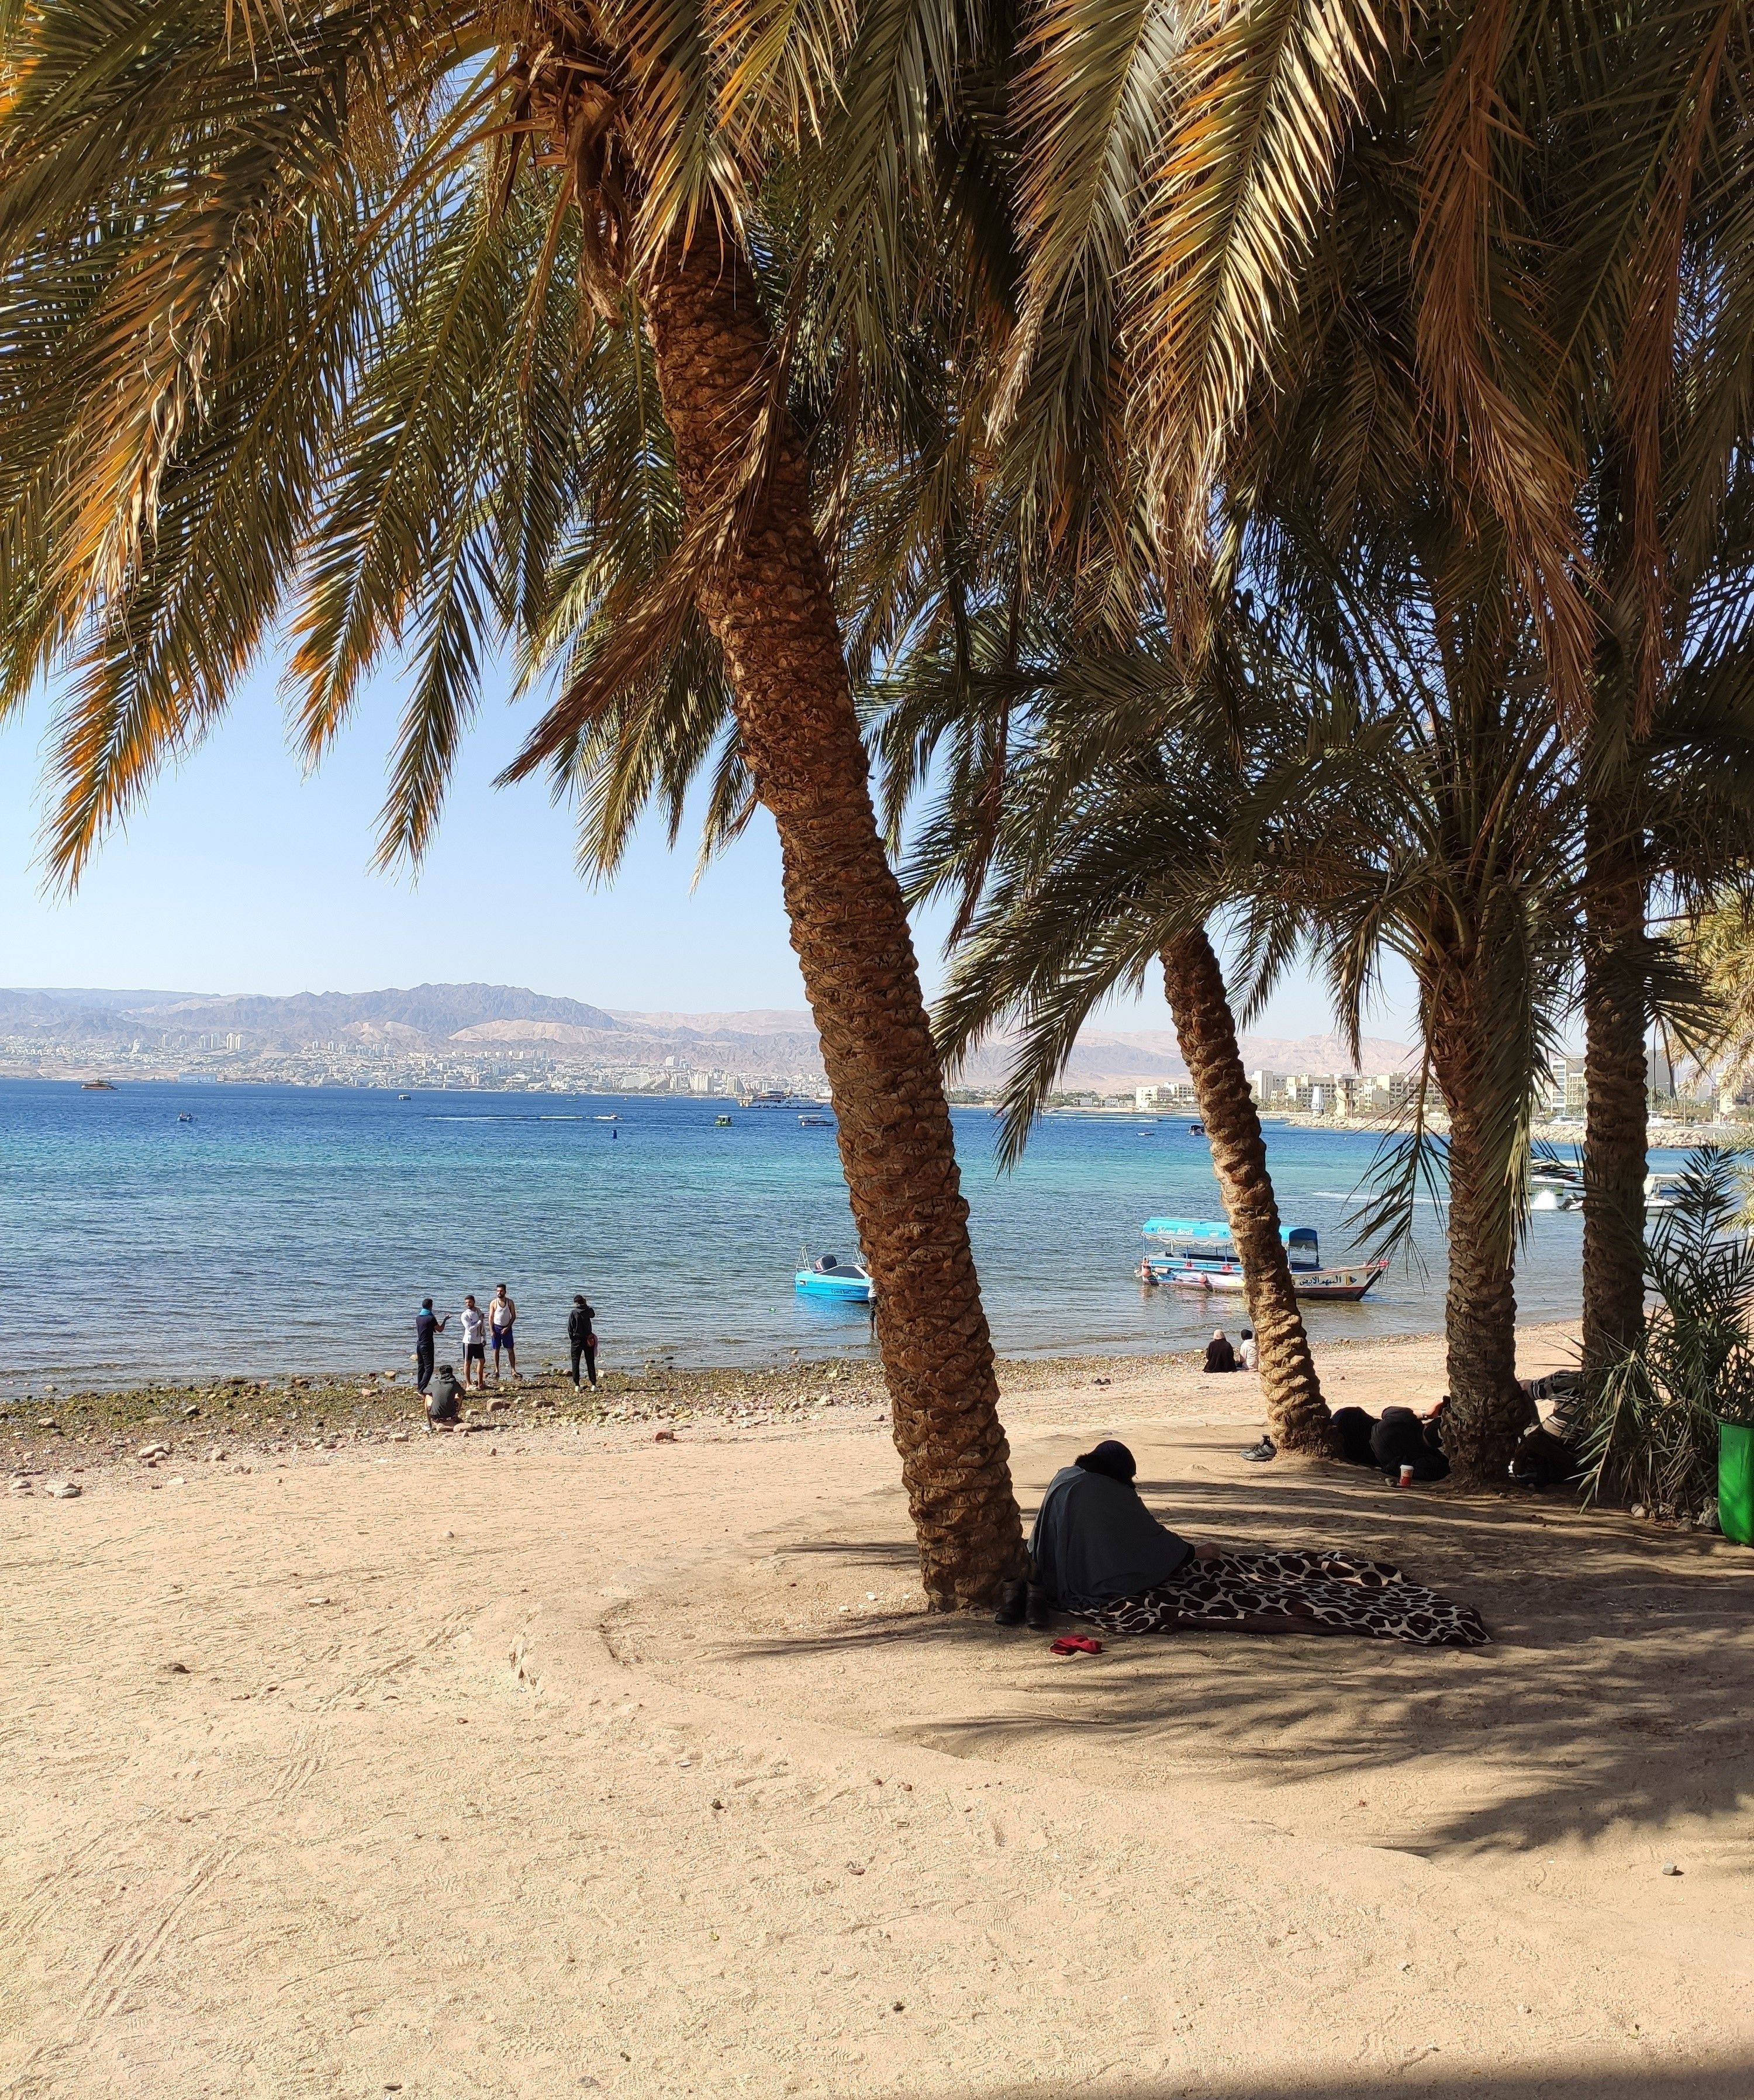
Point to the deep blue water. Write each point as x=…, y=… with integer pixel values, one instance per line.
x=291, y=1229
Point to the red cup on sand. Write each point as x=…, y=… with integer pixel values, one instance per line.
x=1407, y=1476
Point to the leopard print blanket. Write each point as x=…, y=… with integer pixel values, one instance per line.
x=1341, y=1592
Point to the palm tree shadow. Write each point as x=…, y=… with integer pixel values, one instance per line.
x=1729, y=2079
x=1614, y=1691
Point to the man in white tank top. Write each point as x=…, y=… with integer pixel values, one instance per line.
x=501, y=1314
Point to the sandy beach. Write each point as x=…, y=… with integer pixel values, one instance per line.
x=556, y=1757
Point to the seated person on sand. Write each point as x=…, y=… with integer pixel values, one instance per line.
x=1220, y=1356
x=1097, y=1552
x=443, y=1399
x=1554, y=1449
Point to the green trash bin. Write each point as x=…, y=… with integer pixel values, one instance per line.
x=1735, y=1481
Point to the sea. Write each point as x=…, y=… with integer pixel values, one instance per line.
x=172, y=1231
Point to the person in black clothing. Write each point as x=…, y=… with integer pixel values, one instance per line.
x=1220, y=1356
x=1403, y=1438
x=581, y=1339
x=428, y=1326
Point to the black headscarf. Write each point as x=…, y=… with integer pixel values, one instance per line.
x=1094, y=1540
x=1110, y=1458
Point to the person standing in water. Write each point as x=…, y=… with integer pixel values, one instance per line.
x=428, y=1327
x=475, y=1343
x=501, y=1312
x=581, y=1339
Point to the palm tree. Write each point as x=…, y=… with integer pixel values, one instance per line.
x=1385, y=801
x=425, y=328
x=1057, y=741
x=1555, y=205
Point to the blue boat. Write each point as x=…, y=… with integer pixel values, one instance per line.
x=826, y=1276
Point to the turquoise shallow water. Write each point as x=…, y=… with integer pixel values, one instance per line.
x=296, y=1229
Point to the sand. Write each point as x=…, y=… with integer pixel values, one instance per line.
x=558, y=1759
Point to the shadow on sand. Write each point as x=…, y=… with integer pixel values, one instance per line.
x=1730, y=2080
x=1617, y=1689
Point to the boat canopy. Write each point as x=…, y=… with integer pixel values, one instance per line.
x=1215, y=1234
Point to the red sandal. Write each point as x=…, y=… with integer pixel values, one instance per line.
x=1075, y=1645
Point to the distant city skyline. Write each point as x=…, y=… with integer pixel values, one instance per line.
x=239, y=875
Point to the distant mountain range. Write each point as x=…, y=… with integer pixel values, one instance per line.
x=481, y=1020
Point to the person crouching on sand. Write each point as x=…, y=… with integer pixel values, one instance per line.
x=444, y=1400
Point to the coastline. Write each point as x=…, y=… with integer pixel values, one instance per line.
x=242, y=1424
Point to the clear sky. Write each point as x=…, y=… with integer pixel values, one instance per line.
x=240, y=875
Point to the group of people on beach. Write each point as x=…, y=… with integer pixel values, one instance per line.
x=1222, y=1354
x=496, y=1329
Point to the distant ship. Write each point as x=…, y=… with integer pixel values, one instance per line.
x=97, y=1086
x=775, y=1098
x=404, y=1097
x=816, y=1123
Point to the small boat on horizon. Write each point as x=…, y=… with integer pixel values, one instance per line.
x=97, y=1086
x=847, y=1282
x=723, y=1122
x=815, y=1123
x=1196, y=1130
x=607, y=1118
x=404, y=1097
x=185, y=1117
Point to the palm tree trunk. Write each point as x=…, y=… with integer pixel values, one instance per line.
x=1487, y=1408
x=766, y=600
x=1616, y=1108
x=1296, y=1414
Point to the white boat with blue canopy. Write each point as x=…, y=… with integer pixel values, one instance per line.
x=1199, y=1254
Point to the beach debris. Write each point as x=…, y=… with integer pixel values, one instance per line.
x=1670, y=1868
x=177, y=1480
x=174, y=1669
x=190, y=1412
x=316, y=1600
x=499, y=1401
x=1637, y=1510
x=399, y=1436
x=853, y=1867
x=665, y=1436
x=64, y=1490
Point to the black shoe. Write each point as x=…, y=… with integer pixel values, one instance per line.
x=1038, y=1610
x=1010, y=1610
x=1263, y=1451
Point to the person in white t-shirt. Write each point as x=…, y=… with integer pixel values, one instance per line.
x=475, y=1343
x=1249, y=1352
